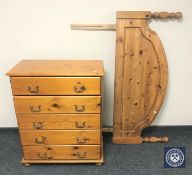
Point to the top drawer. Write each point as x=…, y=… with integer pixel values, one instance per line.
x=56, y=85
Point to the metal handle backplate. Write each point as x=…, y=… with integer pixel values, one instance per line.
x=43, y=156
x=79, y=108
x=37, y=125
x=35, y=109
x=80, y=156
x=79, y=88
x=77, y=125
x=81, y=141
x=34, y=90
x=40, y=140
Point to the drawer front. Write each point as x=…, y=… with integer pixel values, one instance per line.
x=52, y=152
x=60, y=137
x=57, y=104
x=55, y=85
x=58, y=121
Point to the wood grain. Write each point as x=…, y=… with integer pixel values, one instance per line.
x=62, y=152
x=93, y=27
x=58, y=109
x=60, y=137
x=133, y=15
x=140, y=77
x=155, y=139
x=57, y=68
x=99, y=161
x=165, y=15
x=55, y=85
x=57, y=104
x=58, y=121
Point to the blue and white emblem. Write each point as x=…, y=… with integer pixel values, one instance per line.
x=174, y=157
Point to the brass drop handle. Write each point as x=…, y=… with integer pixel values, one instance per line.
x=81, y=141
x=43, y=156
x=37, y=125
x=77, y=125
x=80, y=156
x=40, y=140
x=35, y=109
x=79, y=88
x=79, y=108
x=34, y=90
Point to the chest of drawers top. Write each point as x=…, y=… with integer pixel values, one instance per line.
x=57, y=68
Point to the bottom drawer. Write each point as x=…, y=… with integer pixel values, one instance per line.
x=62, y=152
x=60, y=137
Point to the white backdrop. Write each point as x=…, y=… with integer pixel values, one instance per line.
x=33, y=29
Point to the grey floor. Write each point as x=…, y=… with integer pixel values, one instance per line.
x=144, y=159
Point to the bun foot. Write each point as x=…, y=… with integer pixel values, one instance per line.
x=99, y=164
x=27, y=164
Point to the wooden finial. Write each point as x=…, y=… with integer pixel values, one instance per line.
x=164, y=15
x=155, y=139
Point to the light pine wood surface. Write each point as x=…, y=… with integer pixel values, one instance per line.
x=57, y=104
x=136, y=44
x=58, y=121
x=140, y=77
x=62, y=152
x=57, y=68
x=56, y=85
x=60, y=137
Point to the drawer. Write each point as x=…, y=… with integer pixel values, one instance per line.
x=56, y=152
x=55, y=85
x=59, y=137
x=57, y=104
x=58, y=121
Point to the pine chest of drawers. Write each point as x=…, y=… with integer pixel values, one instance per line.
x=58, y=107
